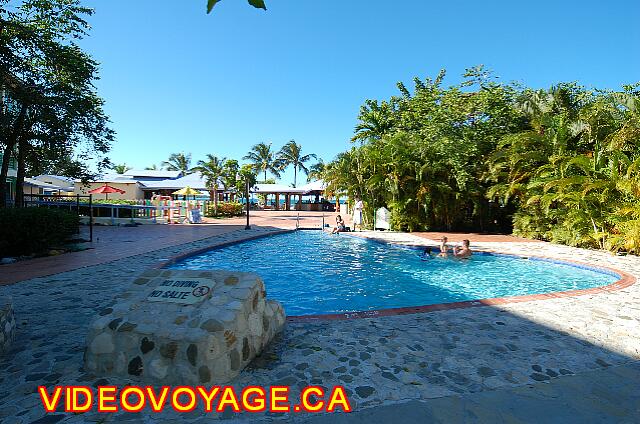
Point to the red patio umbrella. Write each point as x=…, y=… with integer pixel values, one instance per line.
x=106, y=189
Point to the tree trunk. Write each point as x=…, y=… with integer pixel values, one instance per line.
x=295, y=175
x=265, y=176
x=215, y=199
x=11, y=142
x=23, y=145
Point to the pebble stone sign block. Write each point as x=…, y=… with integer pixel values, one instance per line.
x=184, y=327
x=7, y=324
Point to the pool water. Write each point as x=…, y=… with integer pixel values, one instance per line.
x=311, y=272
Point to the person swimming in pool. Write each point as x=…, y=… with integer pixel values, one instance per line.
x=444, y=248
x=464, y=251
x=426, y=255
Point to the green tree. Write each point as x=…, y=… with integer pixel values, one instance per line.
x=230, y=172
x=316, y=171
x=375, y=120
x=49, y=109
x=422, y=153
x=258, y=4
x=246, y=180
x=178, y=162
x=291, y=154
x=213, y=170
x=263, y=159
x=121, y=169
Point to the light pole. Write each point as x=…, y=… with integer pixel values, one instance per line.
x=246, y=193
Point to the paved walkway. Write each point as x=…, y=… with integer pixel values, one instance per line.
x=610, y=395
x=454, y=360
x=111, y=243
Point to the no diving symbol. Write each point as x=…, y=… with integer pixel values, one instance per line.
x=201, y=291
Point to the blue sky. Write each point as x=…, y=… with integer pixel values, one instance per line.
x=176, y=79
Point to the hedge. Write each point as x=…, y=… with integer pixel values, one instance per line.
x=225, y=209
x=26, y=231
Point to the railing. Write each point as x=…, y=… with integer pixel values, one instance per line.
x=61, y=201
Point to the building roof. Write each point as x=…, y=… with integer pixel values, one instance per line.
x=44, y=177
x=195, y=180
x=50, y=179
x=317, y=185
x=115, y=179
x=152, y=173
x=313, y=186
x=36, y=183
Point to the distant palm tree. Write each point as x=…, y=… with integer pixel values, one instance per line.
x=291, y=154
x=212, y=169
x=121, y=169
x=316, y=170
x=153, y=167
x=263, y=159
x=178, y=162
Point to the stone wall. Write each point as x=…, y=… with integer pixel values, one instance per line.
x=7, y=324
x=161, y=340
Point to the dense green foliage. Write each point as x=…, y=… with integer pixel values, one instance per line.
x=558, y=165
x=51, y=119
x=25, y=231
x=225, y=209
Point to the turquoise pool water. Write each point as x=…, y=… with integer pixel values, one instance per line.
x=312, y=272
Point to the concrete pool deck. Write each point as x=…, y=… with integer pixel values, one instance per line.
x=511, y=361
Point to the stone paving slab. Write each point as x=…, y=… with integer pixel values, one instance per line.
x=381, y=361
x=609, y=395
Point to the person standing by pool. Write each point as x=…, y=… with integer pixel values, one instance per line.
x=357, y=213
x=463, y=252
x=444, y=249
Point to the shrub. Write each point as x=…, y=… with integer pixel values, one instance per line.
x=25, y=231
x=225, y=209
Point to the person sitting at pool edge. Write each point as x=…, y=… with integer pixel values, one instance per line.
x=444, y=249
x=340, y=227
x=464, y=251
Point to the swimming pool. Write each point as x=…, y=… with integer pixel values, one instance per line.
x=311, y=272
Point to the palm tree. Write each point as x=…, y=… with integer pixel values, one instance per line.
x=263, y=159
x=212, y=169
x=121, y=169
x=291, y=154
x=153, y=167
x=316, y=170
x=178, y=162
x=376, y=119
